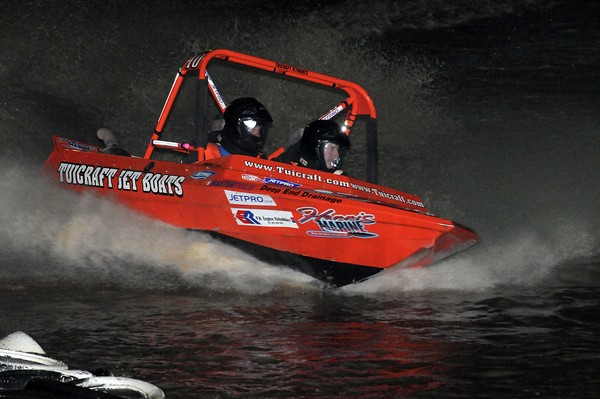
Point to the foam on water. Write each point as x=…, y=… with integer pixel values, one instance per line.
x=92, y=238
x=525, y=259
x=88, y=238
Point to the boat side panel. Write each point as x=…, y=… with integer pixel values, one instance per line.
x=304, y=213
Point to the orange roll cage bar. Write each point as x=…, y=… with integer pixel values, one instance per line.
x=358, y=101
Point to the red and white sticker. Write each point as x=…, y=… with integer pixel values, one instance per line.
x=263, y=218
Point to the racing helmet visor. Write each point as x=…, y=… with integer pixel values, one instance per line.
x=331, y=153
x=253, y=129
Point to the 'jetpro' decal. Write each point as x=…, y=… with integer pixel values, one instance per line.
x=241, y=198
x=280, y=182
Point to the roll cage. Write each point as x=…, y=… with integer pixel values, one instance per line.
x=357, y=103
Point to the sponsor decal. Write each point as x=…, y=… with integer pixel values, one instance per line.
x=320, y=177
x=301, y=173
x=202, y=175
x=270, y=189
x=250, y=177
x=390, y=196
x=321, y=197
x=231, y=184
x=263, y=218
x=79, y=146
x=301, y=194
x=333, y=112
x=291, y=68
x=120, y=179
x=240, y=198
x=272, y=180
x=304, y=194
x=334, y=225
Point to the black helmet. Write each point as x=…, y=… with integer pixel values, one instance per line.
x=242, y=116
x=319, y=133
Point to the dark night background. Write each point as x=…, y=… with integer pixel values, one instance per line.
x=489, y=110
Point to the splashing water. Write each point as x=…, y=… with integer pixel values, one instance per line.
x=91, y=237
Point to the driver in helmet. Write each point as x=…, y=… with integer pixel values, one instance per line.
x=245, y=130
x=322, y=147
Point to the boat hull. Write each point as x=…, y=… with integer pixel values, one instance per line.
x=333, y=227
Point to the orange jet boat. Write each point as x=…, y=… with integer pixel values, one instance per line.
x=336, y=228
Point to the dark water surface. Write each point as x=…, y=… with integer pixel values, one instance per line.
x=541, y=342
x=489, y=110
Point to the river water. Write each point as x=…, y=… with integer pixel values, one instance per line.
x=487, y=110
